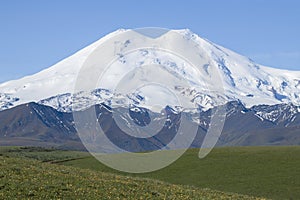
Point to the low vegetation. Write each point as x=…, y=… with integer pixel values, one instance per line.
x=24, y=178
x=262, y=172
x=272, y=172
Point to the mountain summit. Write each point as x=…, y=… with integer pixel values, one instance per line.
x=243, y=80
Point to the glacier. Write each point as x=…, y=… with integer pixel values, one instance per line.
x=243, y=80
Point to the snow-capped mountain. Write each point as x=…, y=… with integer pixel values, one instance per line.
x=243, y=80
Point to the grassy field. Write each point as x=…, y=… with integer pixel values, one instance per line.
x=24, y=178
x=42, y=154
x=272, y=172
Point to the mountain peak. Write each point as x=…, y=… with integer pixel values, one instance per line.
x=243, y=80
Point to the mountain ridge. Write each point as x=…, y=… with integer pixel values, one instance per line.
x=263, y=104
x=243, y=80
x=33, y=124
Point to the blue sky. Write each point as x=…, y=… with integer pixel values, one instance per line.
x=36, y=34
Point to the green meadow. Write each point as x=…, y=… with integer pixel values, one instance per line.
x=271, y=172
x=29, y=175
x=226, y=173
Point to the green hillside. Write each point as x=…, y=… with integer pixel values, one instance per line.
x=22, y=178
x=272, y=172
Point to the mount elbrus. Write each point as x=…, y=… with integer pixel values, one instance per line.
x=262, y=102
